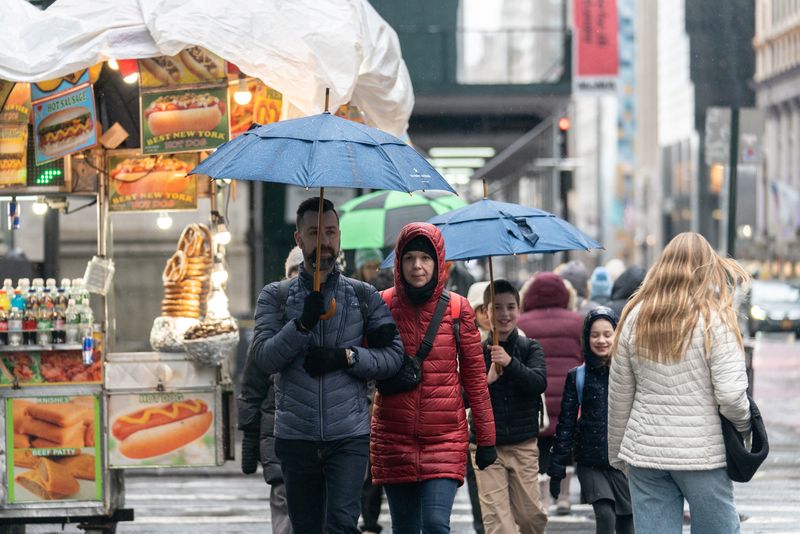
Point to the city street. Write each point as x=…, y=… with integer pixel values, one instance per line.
x=223, y=500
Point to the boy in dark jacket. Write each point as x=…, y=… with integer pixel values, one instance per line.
x=517, y=377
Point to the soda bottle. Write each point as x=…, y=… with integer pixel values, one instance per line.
x=59, y=316
x=18, y=301
x=8, y=288
x=87, y=332
x=15, y=327
x=4, y=326
x=44, y=324
x=72, y=323
x=30, y=318
x=66, y=286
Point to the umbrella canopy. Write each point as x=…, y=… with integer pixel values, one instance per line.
x=374, y=220
x=323, y=151
x=505, y=230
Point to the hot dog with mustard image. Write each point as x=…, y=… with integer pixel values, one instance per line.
x=160, y=429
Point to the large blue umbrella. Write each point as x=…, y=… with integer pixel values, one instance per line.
x=489, y=228
x=323, y=151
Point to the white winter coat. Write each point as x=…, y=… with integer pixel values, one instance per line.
x=665, y=416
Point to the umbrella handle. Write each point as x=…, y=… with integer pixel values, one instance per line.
x=329, y=312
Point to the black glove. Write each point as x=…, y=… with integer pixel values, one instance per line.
x=555, y=487
x=485, y=456
x=313, y=307
x=382, y=336
x=321, y=360
x=250, y=452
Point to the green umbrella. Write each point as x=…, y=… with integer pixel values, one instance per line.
x=374, y=220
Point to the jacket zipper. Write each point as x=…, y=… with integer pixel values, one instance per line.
x=417, y=399
x=319, y=385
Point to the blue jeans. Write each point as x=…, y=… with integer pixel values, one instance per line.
x=421, y=506
x=323, y=483
x=657, y=499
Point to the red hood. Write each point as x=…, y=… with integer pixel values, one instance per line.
x=409, y=232
x=546, y=291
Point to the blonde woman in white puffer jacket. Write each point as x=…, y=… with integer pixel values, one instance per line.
x=678, y=361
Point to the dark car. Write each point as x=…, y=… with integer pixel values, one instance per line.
x=772, y=306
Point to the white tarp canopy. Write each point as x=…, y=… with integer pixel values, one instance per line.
x=298, y=48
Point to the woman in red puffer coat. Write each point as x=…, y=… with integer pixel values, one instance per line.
x=419, y=437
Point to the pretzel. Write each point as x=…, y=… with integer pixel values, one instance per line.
x=207, y=244
x=175, y=270
x=191, y=241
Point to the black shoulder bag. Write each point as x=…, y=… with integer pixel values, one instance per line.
x=410, y=374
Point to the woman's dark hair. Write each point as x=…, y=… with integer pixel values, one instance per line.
x=500, y=286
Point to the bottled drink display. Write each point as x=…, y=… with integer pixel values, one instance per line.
x=43, y=313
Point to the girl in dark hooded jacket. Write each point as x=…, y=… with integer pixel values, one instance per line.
x=584, y=422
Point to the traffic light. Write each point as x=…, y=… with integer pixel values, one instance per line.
x=563, y=140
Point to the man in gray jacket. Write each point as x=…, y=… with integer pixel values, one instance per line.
x=321, y=371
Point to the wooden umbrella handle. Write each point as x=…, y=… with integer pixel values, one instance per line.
x=495, y=341
x=331, y=311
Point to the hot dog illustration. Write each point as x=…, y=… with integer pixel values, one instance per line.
x=160, y=429
x=181, y=112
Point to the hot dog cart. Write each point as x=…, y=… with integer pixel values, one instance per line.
x=75, y=416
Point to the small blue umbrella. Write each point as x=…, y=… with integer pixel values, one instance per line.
x=323, y=151
x=489, y=228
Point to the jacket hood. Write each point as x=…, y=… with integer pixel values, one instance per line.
x=546, y=291
x=409, y=232
x=628, y=282
x=600, y=312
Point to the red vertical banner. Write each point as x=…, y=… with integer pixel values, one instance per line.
x=596, y=45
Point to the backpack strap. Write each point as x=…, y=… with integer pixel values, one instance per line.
x=580, y=380
x=455, y=315
x=430, y=335
x=387, y=295
x=363, y=299
x=283, y=296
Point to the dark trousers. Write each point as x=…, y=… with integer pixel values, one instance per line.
x=371, y=497
x=474, y=500
x=323, y=483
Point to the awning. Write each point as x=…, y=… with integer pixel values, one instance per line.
x=298, y=48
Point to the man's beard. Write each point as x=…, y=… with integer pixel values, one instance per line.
x=327, y=262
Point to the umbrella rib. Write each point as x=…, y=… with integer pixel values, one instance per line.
x=383, y=151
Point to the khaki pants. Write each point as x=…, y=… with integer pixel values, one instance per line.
x=509, y=490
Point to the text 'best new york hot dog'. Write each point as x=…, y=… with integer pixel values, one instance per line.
x=161, y=429
x=183, y=112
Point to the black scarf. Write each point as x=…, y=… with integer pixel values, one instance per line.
x=420, y=295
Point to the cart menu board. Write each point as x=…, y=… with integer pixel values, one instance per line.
x=49, y=367
x=173, y=429
x=53, y=449
x=150, y=183
x=184, y=120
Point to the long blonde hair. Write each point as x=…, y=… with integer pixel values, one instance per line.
x=688, y=281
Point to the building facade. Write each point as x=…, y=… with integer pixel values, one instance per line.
x=777, y=80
